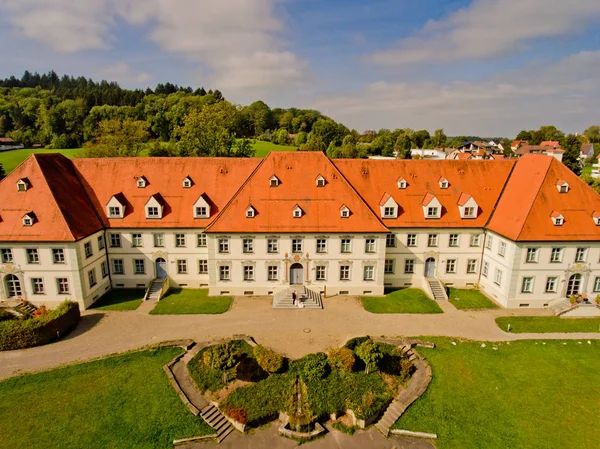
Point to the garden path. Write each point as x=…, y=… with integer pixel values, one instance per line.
x=293, y=332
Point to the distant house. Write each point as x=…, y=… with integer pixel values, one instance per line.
x=431, y=154
x=496, y=145
x=587, y=151
x=550, y=143
x=518, y=143
x=6, y=143
x=557, y=153
x=474, y=146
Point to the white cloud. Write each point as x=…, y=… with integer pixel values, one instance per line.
x=124, y=74
x=565, y=94
x=237, y=39
x=488, y=28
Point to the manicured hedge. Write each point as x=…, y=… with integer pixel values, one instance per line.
x=25, y=333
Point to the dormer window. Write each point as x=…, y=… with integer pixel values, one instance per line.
x=443, y=183
x=388, y=207
x=155, y=206
x=187, y=182
x=389, y=212
x=273, y=181
x=557, y=218
x=344, y=212
x=22, y=185
x=432, y=208
x=201, y=211
x=202, y=207
x=469, y=212
x=297, y=212
x=596, y=217
x=320, y=181
x=115, y=208
x=142, y=182
x=562, y=186
x=467, y=206
x=28, y=219
x=250, y=212
x=153, y=212
x=114, y=212
x=432, y=212
x=402, y=183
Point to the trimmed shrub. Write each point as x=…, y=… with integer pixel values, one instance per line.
x=341, y=359
x=19, y=334
x=5, y=315
x=221, y=357
x=369, y=352
x=315, y=367
x=268, y=359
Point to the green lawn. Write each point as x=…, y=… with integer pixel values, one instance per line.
x=120, y=299
x=543, y=324
x=117, y=402
x=526, y=394
x=586, y=170
x=263, y=148
x=191, y=301
x=408, y=300
x=470, y=299
x=10, y=159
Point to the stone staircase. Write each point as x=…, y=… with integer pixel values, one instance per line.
x=310, y=298
x=559, y=306
x=25, y=308
x=215, y=419
x=437, y=289
x=155, y=289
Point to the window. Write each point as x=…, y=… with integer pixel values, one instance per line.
x=296, y=245
x=297, y=212
x=27, y=221
x=443, y=184
x=201, y=240
x=320, y=181
x=502, y=249
x=321, y=245
x=498, y=277
x=321, y=273
x=272, y=245
x=159, y=240
x=432, y=212
x=369, y=273
x=37, y=285
x=62, y=286
x=118, y=267
x=141, y=183
x=527, y=285
x=409, y=266
x=104, y=269
x=100, y=242
x=58, y=255
x=92, y=277
x=115, y=240
x=453, y=241
x=346, y=245
x=369, y=245
x=87, y=249
x=114, y=212
x=551, y=283
x=33, y=256
x=152, y=212
x=274, y=181
x=250, y=212
x=451, y=266
x=344, y=272
x=181, y=266
x=432, y=240
x=224, y=273
x=187, y=183
x=248, y=273
x=273, y=272
x=581, y=255
x=558, y=221
x=532, y=255
x=201, y=211
x=556, y=255
x=485, y=268
x=597, y=284
x=180, y=240
x=21, y=186
x=472, y=266
x=411, y=240
x=388, y=267
x=344, y=212
x=136, y=240
x=389, y=212
x=202, y=266
x=7, y=256
x=469, y=212
x=248, y=245
x=390, y=241
x=139, y=266
x=475, y=240
x=223, y=245
x=488, y=242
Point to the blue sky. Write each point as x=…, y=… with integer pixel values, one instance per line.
x=487, y=67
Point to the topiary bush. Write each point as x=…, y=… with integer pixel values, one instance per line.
x=19, y=334
x=315, y=367
x=268, y=359
x=341, y=359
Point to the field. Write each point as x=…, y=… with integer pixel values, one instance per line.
x=526, y=394
x=470, y=299
x=543, y=324
x=117, y=402
x=191, y=301
x=263, y=148
x=408, y=300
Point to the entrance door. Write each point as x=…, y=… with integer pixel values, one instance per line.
x=13, y=286
x=430, y=268
x=161, y=268
x=574, y=285
x=296, y=271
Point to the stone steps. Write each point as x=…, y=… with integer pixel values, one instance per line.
x=559, y=306
x=215, y=419
x=26, y=308
x=310, y=299
x=437, y=289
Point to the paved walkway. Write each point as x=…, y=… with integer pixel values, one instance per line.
x=293, y=332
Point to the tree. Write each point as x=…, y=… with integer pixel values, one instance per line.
x=341, y=359
x=420, y=137
x=525, y=135
x=2, y=172
x=115, y=138
x=572, y=147
x=403, y=147
x=592, y=134
x=220, y=357
x=268, y=360
x=439, y=138
x=369, y=352
x=348, y=149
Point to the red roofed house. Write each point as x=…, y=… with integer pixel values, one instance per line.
x=526, y=231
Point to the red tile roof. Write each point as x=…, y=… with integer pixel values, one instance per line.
x=297, y=172
x=464, y=197
x=550, y=143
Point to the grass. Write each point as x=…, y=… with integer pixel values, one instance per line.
x=191, y=301
x=470, y=299
x=543, y=324
x=123, y=401
x=10, y=159
x=120, y=299
x=586, y=170
x=526, y=394
x=262, y=149
x=408, y=300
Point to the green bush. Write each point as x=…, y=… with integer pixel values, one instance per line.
x=369, y=352
x=353, y=343
x=220, y=357
x=5, y=315
x=268, y=359
x=341, y=359
x=315, y=367
x=19, y=334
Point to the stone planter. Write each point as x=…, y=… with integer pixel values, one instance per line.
x=286, y=431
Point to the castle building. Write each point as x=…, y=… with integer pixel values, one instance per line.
x=525, y=231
